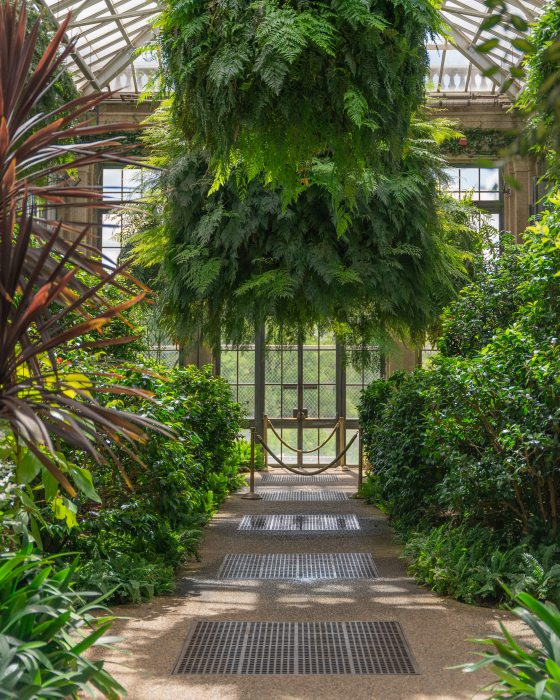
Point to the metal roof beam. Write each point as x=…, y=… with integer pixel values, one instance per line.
x=480, y=60
x=112, y=18
x=117, y=64
x=75, y=54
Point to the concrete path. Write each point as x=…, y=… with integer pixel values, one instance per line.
x=435, y=628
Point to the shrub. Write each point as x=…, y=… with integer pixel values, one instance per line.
x=485, y=305
x=242, y=456
x=392, y=415
x=142, y=534
x=525, y=672
x=466, y=562
x=494, y=425
x=45, y=626
x=126, y=577
x=467, y=453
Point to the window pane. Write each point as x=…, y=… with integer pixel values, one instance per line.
x=469, y=180
x=328, y=366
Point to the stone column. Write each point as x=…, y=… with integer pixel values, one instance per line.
x=518, y=199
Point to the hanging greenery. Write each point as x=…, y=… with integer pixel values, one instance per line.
x=63, y=89
x=269, y=88
x=231, y=259
x=540, y=99
x=480, y=142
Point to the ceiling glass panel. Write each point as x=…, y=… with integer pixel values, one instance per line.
x=125, y=26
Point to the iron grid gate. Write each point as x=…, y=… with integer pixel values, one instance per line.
x=303, y=389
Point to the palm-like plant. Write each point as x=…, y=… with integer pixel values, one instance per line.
x=525, y=672
x=44, y=306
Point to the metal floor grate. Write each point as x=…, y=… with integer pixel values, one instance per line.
x=291, y=523
x=257, y=648
x=286, y=479
x=344, y=565
x=325, y=495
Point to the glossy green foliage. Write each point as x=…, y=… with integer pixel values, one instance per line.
x=525, y=672
x=473, y=440
x=135, y=541
x=484, y=306
x=392, y=414
x=45, y=627
x=540, y=98
x=267, y=87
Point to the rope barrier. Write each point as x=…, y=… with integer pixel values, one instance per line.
x=306, y=472
x=303, y=452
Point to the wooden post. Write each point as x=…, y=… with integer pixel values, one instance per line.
x=252, y=496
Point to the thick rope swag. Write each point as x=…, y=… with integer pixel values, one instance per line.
x=305, y=472
x=304, y=452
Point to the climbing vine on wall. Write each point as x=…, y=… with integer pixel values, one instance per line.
x=480, y=142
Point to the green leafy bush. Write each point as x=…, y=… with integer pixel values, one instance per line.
x=242, y=456
x=393, y=416
x=485, y=305
x=126, y=576
x=467, y=452
x=140, y=535
x=466, y=562
x=525, y=672
x=45, y=627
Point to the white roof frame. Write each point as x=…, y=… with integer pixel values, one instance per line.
x=98, y=25
x=126, y=25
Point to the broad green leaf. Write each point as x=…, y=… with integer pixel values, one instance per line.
x=487, y=46
x=28, y=468
x=83, y=480
x=50, y=484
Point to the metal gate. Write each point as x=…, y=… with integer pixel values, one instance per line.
x=300, y=397
x=303, y=389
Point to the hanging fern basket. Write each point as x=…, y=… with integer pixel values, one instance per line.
x=269, y=86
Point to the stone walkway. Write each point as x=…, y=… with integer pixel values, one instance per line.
x=435, y=628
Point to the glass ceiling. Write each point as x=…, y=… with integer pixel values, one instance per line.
x=110, y=32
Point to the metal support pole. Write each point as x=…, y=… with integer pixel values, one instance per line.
x=252, y=496
x=343, y=444
x=360, y=459
x=360, y=465
x=265, y=440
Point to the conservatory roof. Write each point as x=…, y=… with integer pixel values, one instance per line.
x=110, y=32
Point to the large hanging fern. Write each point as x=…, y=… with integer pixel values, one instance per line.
x=267, y=86
x=234, y=259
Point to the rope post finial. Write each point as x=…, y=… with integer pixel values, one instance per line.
x=252, y=496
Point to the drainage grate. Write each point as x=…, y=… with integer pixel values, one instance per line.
x=257, y=648
x=299, y=522
x=286, y=479
x=326, y=495
x=344, y=565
